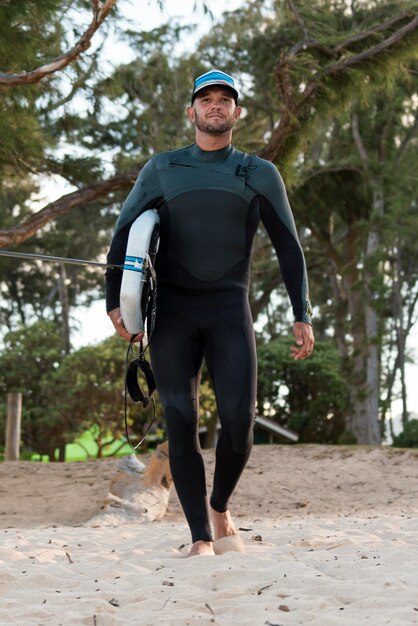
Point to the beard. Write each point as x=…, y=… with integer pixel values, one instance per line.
x=214, y=127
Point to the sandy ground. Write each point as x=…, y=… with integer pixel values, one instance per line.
x=331, y=536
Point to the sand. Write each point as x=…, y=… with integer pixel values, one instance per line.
x=331, y=537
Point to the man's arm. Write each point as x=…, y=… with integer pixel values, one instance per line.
x=145, y=194
x=277, y=218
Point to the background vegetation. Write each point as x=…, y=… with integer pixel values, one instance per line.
x=330, y=94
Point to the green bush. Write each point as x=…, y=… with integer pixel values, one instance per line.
x=309, y=396
x=66, y=395
x=408, y=438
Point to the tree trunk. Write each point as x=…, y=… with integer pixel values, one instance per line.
x=371, y=317
x=358, y=388
x=367, y=426
x=363, y=371
x=14, y=414
x=401, y=333
x=211, y=433
x=365, y=362
x=50, y=453
x=99, y=454
x=61, y=453
x=340, y=310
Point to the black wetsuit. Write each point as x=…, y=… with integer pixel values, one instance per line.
x=210, y=205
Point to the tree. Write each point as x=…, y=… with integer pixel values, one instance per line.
x=310, y=397
x=308, y=69
x=356, y=206
x=408, y=438
x=66, y=394
x=27, y=362
x=88, y=394
x=401, y=259
x=326, y=73
x=345, y=188
x=11, y=14
x=32, y=289
x=32, y=106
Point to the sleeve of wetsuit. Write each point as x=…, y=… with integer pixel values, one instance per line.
x=277, y=218
x=145, y=194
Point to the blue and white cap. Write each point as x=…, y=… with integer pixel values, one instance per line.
x=214, y=77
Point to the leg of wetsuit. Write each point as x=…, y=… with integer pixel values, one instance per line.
x=176, y=355
x=231, y=358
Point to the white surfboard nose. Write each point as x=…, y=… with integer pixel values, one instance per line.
x=142, y=236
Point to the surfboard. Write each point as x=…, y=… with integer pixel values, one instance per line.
x=138, y=279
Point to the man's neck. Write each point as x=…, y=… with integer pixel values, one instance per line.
x=213, y=142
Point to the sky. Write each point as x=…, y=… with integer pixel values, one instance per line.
x=93, y=322
x=184, y=10
x=150, y=16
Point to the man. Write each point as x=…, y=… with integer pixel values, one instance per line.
x=210, y=197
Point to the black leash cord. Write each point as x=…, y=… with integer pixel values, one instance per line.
x=140, y=362
x=144, y=403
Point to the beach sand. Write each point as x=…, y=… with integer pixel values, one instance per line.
x=331, y=537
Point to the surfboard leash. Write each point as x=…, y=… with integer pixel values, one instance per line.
x=132, y=387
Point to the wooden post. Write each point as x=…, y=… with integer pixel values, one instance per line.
x=14, y=413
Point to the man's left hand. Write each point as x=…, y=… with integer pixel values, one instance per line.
x=304, y=341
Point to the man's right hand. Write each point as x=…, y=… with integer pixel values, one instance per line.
x=117, y=322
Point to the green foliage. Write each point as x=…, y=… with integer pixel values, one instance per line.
x=85, y=123
x=85, y=448
x=35, y=148
x=408, y=438
x=357, y=191
x=65, y=395
x=31, y=34
x=310, y=396
x=23, y=39
x=247, y=43
x=28, y=360
x=89, y=394
x=148, y=95
x=252, y=41
x=30, y=290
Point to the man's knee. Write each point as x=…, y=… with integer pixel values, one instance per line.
x=241, y=431
x=181, y=431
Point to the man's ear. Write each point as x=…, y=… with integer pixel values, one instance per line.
x=237, y=112
x=190, y=113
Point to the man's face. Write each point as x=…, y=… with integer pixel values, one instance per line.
x=214, y=111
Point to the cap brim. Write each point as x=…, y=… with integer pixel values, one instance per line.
x=216, y=83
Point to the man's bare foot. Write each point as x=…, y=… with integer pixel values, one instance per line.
x=222, y=523
x=202, y=548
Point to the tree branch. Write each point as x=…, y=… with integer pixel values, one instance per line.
x=411, y=134
x=328, y=248
x=298, y=108
x=359, y=142
x=382, y=46
x=331, y=169
x=298, y=19
x=100, y=12
x=53, y=210
x=376, y=29
x=296, y=114
x=370, y=54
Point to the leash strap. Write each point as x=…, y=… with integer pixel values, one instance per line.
x=140, y=364
x=152, y=304
x=131, y=378
x=132, y=370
